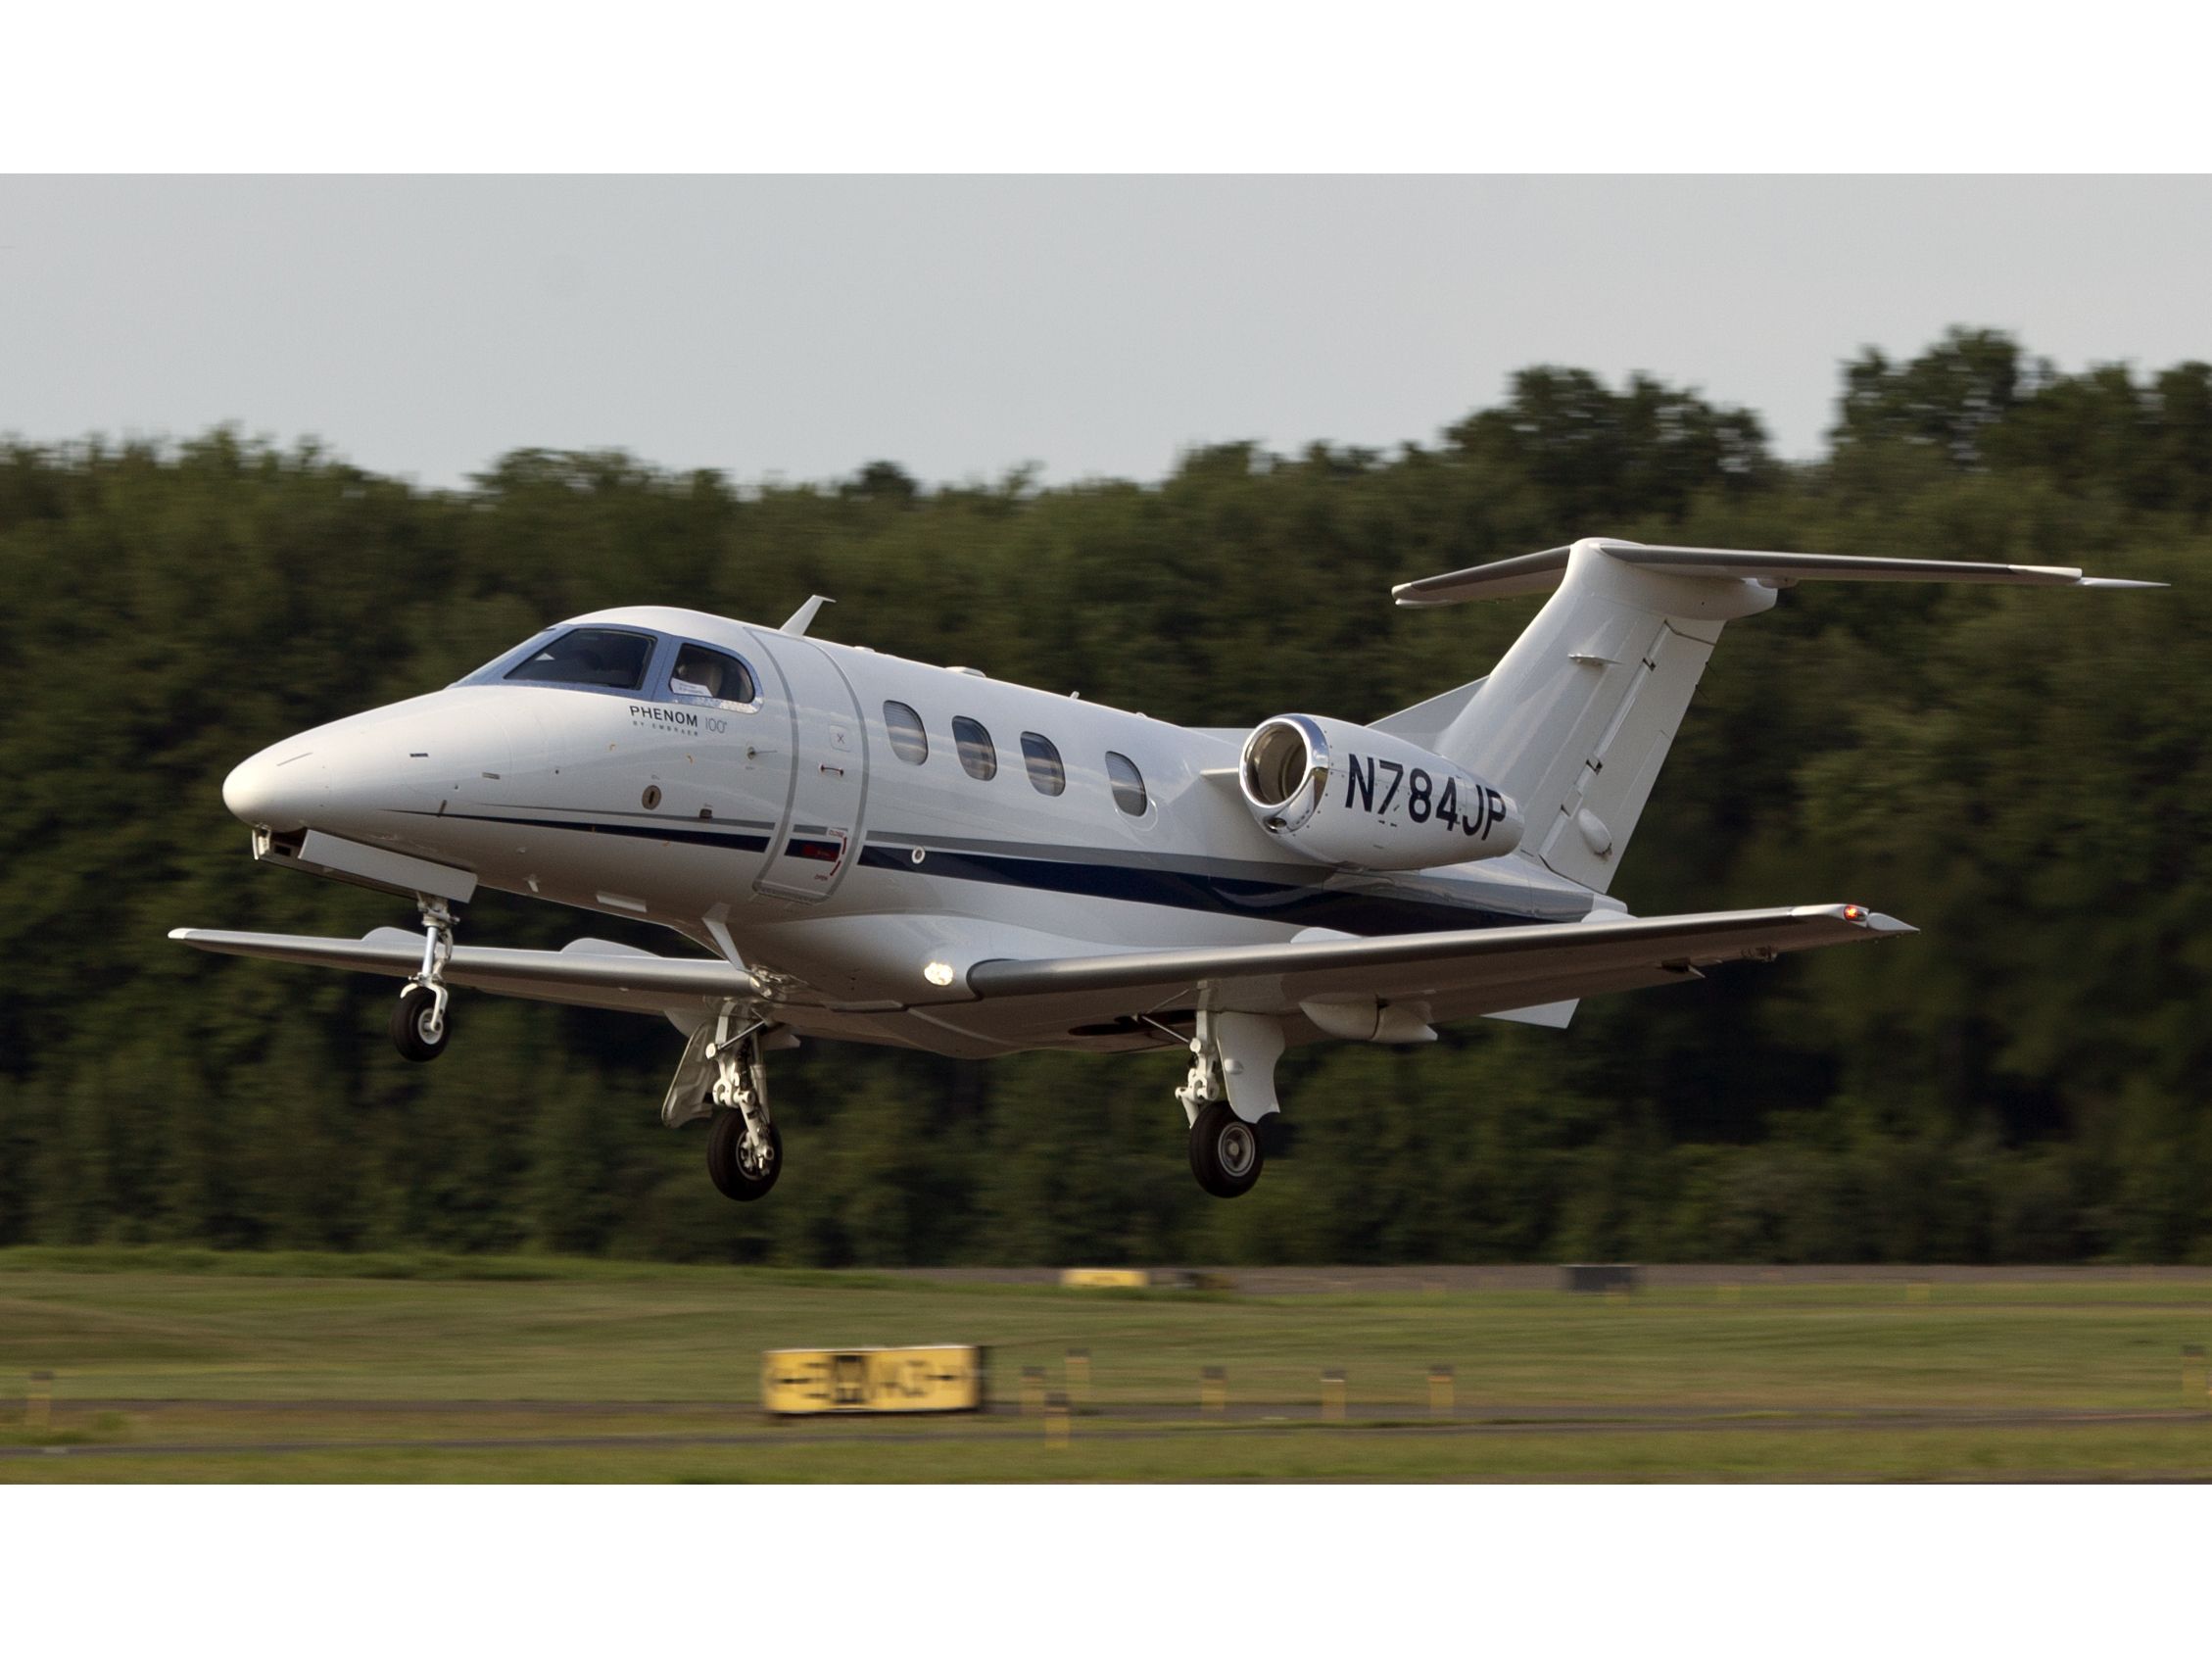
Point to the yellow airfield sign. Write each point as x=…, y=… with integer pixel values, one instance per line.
x=1140, y=1279
x=808, y=1382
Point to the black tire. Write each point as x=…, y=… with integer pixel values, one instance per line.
x=725, y=1158
x=410, y=1016
x=1224, y=1151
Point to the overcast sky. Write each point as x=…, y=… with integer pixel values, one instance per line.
x=797, y=327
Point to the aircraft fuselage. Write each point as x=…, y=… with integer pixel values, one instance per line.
x=810, y=828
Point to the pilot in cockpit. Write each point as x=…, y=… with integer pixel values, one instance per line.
x=698, y=673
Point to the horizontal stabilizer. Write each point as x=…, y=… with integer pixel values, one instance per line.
x=592, y=973
x=1464, y=971
x=1540, y=572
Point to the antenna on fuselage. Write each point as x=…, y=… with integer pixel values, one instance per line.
x=799, y=620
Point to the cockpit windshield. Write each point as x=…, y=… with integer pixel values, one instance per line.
x=610, y=657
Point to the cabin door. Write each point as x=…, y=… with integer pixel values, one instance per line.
x=819, y=838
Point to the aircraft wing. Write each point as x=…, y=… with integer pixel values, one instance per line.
x=1462, y=973
x=587, y=972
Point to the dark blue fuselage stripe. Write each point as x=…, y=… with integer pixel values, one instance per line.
x=1183, y=890
x=1305, y=905
x=735, y=839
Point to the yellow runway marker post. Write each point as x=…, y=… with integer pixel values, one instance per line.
x=1439, y=1391
x=1033, y=1390
x=1056, y=1419
x=1213, y=1391
x=1079, y=1377
x=1332, y=1395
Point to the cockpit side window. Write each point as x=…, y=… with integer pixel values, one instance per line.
x=715, y=676
x=608, y=658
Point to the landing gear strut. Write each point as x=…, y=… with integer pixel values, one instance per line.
x=1229, y=1088
x=420, y=1028
x=745, y=1153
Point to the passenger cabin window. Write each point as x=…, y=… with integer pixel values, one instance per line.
x=1045, y=770
x=712, y=674
x=977, y=753
x=1127, y=782
x=909, y=741
x=589, y=656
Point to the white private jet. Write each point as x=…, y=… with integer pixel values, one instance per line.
x=884, y=851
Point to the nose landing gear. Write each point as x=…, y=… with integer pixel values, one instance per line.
x=418, y=1025
x=745, y=1153
x=739, y=1168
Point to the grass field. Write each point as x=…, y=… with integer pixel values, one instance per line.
x=190, y=1366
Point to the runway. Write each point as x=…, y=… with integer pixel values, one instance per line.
x=621, y=1372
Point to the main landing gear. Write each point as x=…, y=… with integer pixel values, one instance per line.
x=419, y=1028
x=743, y=1152
x=1224, y=1151
x=1231, y=1086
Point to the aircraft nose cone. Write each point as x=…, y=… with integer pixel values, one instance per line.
x=273, y=790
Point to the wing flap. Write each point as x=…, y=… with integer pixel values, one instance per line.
x=588, y=973
x=1469, y=971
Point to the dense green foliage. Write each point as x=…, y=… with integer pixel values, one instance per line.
x=2023, y=774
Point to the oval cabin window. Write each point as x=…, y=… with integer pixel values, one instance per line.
x=909, y=741
x=1129, y=784
x=1043, y=761
x=977, y=753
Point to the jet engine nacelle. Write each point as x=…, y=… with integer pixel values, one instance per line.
x=1349, y=795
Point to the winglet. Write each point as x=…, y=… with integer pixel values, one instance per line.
x=799, y=620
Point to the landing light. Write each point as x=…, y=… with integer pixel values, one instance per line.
x=1855, y=912
x=939, y=973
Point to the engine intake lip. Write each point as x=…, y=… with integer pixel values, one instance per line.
x=1284, y=771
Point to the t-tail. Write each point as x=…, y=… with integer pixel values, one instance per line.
x=1575, y=721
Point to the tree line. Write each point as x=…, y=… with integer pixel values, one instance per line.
x=2022, y=774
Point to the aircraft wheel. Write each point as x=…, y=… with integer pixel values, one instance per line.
x=728, y=1161
x=1224, y=1151
x=410, y=1029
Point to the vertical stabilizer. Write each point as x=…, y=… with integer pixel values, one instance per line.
x=1576, y=719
